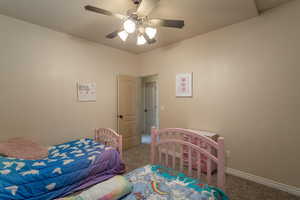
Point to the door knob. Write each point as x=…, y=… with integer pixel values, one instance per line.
x=121, y=116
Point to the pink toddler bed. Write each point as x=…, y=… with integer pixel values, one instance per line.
x=168, y=146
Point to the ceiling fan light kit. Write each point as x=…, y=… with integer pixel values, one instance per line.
x=151, y=32
x=138, y=22
x=123, y=35
x=141, y=40
x=129, y=26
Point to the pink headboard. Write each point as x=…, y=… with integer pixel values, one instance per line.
x=169, y=143
x=109, y=137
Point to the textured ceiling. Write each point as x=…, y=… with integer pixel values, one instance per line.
x=201, y=16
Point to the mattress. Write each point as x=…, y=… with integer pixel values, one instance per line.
x=159, y=183
x=69, y=167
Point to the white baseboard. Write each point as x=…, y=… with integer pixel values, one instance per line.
x=264, y=181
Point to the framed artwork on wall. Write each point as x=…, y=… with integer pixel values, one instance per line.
x=184, y=85
x=86, y=91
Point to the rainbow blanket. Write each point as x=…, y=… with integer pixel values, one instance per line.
x=160, y=183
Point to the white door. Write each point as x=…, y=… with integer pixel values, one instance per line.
x=150, y=106
x=127, y=110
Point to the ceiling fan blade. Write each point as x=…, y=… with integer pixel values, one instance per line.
x=149, y=41
x=146, y=6
x=167, y=23
x=112, y=35
x=103, y=12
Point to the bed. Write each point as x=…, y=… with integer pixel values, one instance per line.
x=69, y=167
x=165, y=178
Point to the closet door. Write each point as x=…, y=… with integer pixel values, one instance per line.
x=127, y=110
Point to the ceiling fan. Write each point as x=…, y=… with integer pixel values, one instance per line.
x=137, y=21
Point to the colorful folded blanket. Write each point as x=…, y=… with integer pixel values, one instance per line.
x=155, y=182
x=112, y=189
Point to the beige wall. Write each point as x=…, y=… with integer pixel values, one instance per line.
x=246, y=88
x=39, y=69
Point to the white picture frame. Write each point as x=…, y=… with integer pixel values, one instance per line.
x=86, y=91
x=184, y=85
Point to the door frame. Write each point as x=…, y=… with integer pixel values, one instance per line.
x=157, y=102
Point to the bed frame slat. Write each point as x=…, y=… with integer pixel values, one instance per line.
x=153, y=144
x=190, y=158
x=167, y=151
x=181, y=157
x=199, y=161
x=174, y=156
x=160, y=155
x=221, y=163
x=208, y=166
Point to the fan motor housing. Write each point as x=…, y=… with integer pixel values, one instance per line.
x=136, y=2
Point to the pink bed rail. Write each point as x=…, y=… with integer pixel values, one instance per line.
x=169, y=143
x=109, y=137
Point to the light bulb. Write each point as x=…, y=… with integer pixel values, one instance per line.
x=151, y=32
x=141, y=40
x=123, y=35
x=129, y=26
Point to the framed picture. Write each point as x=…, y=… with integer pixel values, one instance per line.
x=86, y=91
x=184, y=85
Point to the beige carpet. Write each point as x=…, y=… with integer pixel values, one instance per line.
x=236, y=188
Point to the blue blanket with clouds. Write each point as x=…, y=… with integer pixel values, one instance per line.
x=68, y=168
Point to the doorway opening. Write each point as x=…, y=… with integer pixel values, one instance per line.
x=150, y=105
